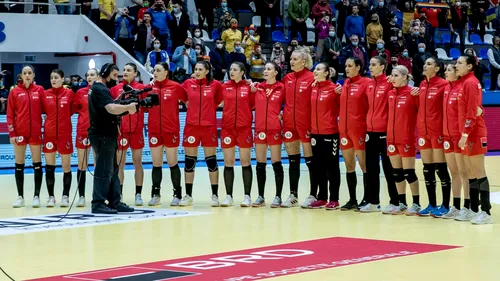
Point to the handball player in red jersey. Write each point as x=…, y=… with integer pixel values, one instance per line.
x=236, y=130
x=204, y=94
x=57, y=103
x=24, y=122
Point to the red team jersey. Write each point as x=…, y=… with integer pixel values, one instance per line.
x=57, y=103
x=451, y=132
x=430, y=113
x=131, y=123
x=378, y=111
x=81, y=106
x=238, y=104
x=24, y=114
x=325, y=107
x=268, y=103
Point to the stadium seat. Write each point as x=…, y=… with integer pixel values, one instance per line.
x=455, y=53
x=173, y=66
x=215, y=34
x=311, y=37
x=487, y=83
x=256, y=21
x=483, y=53
x=278, y=36
x=299, y=37
x=309, y=24
x=442, y=54
x=189, y=34
x=476, y=40
x=446, y=39
x=207, y=51
x=488, y=39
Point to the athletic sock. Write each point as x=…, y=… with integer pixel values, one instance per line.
x=402, y=199
x=484, y=189
x=189, y=189
x=416, y=199
x=138, y=189
x=67, y=178
x=81, y=177
x=352, y=182
x=247, y=179
x=37, y=170
x=121, y=189
x=229, y=180
x=278, y=177
x=456, y=202
x=366, y=187
x=430, y=183
x=467, y=203
x=474, y=195
x=156, y=176
x=294, y=173
x=175, y=177
x=19, y=174
x=261, y=177
x=444, y=176
x=50, y=178
x=215, y=189
x=313, y=177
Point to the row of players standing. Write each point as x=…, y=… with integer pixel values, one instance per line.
x=309, y=118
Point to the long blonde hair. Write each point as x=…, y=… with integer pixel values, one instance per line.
x=304, y=53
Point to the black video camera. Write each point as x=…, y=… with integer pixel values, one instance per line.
x=131, y=95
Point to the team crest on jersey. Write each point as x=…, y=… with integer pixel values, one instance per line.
x=421, y=141
x=446, y=145
x=262, y=136
x=191, y=139
x=367, y=138
x=344, y=141
x=153, y=140
x=49, y=145
x=227, y=140
x=20, y=139
x=288, y=135
x=313, y=141
x=391, y=148
x=123, y=142
x=86, y=141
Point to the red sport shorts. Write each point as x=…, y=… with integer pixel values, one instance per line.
x=63, y=145
x=270, y=137
x=241, y=137
x=194, y=135
x=132, y=140
x=403, y=150
x=291, y=135
x=450, y=145
x=33, y=140
x=475, y=146
x=356, y=140
x=428, y=142
x=166, y=139
x=82, y=141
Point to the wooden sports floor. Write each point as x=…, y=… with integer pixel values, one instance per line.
x=201, y=230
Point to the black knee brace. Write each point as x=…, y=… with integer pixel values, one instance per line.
x=410, y=175
x=261, y=167
x=190, y=164
x=442, y=171
x=399, y=175
x=212, y=163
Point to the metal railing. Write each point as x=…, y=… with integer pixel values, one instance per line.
x=43, y=7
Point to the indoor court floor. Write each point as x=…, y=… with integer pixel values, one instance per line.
x=204, y=243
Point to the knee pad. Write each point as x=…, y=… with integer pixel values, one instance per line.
x=410, y=175
x=278, y=167
x=399, y=175
x=37, y=166
x=212, y=163
x=442, y=171
x=261, y=167
x=190, y=164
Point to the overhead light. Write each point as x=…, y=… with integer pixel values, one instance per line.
x=91, y=63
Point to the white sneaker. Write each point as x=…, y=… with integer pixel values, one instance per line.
x=65, y=201
x=401, y=210
x=482, y=218
x=292, y=201
x=276, y=202
x=307, y=203
x=260, y=202
x=51, y=202
x=465, y=215
x=215, y=201
x=155, y=201
x=414, y=209
x=138, y=200
x=175, y=202
x=186, y=201
x=228, y=202
x=36, y=202
x=247, y=202
x=370, y=208
x=81, y=202
x=390, y=209
x=19, y=203
x=452, y=213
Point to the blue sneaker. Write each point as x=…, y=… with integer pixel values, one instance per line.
x=427, y=211
x=440, y=212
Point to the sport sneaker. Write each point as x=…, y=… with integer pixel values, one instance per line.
x=427, y=211
x=332, y=205
x=414, y=209
x=36, y=202
x=452, y=213
x=318, y=204
x=19, y=202
x=228, y=201
x=81, y=202
x=138, y=200
x=186, y=201
x=65, y=201
x=440, y=212
x=401, y=210
x=361, y=205
x=350, y=205
x=465, y=215
x=291, y=202
x=307, y=203
x=482, y=218
x=390, y=209
x=276, y=202
x=370, y=208
x=215, y=201
x=247, y=201
x=260, y=202
x=175, y=202
x=51, y=202
x=155, y=200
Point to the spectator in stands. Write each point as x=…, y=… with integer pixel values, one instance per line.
x=458, y=23
x=427, y=31
x=321, y=9
x=224, y=22
x=124, y=24
x=133, y=7
x=365, y=10
x=355, y=25
x=63, y=9
x=479, y=8
x=160, y=18
x=231, y=35
x=156, y=56
x=257, y=62
x=397, y=43
x=250, y=39
x=418, y=63
x=332, y=48
x=343, y=12
x=391, y=28
x=374, y=32
x=392, y=64
x=200, y=52
x=220, y=59
x=4, y=94
x=284, y=4
x=278, y=55
x=108, y=10
x=267, y=9
x=299, y=11
x=143, y=10
x=432, y=15
x=85, y=8
x=354, y=49
x=221, y=11
x=184, y=57
x=37, y=9
x=405, y=60
x=145, y=36
x=414, y=39
x=383, y=13
x=197, y=37
x=179, y=26
x=494, y=58
x=205, y=9
x=380, y=50
x=238, y=55
x=322, y=30
x=294, y=43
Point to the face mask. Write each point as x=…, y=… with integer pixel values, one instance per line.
x=355, y=44
x=294, y=45
x=75, y=84
x=400, y=35
x=238, y=49
x=145, y=4
x=277, y=48
x=416, y=33
x=422, y=18
x=157, y=46
x=332, y=34
x=198, y=51
x=187, y=46
x=219, y=46
x=252, y=32
x=381, y=4
x=380, y=46
x=374, y=20
x=197, y=34
x=176, y=10
x=421, y=50
x=395, y=19
x=405, y=54
x=234, y=26
x=223, y=4
x=111, y=83
x=458, y=4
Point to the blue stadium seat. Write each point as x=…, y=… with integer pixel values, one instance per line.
x=483, y=53
x=476, y=40
x=243, y=11
x=278, y=36
x=341, y=82
x=455, y=53
x=487, y=84
x=215, y=34
x=299, y=37
x=172, y=66
x=446, y=38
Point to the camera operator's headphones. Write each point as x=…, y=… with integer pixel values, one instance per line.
x=106, y=70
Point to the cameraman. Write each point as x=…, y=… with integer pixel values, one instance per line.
x=103, y=136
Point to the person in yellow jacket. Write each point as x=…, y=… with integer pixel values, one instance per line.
x=250, y=39
x=231, y=35
x=374, y=32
